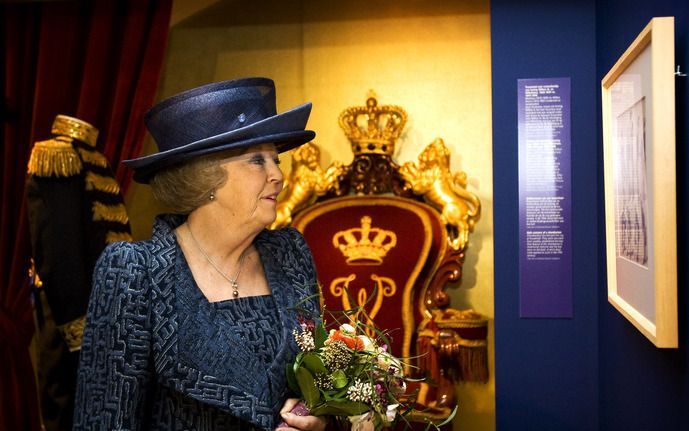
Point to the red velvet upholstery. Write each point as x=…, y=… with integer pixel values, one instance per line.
x=395, y=290
x=398, y=280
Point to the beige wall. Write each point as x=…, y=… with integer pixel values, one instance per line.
x=431, y=57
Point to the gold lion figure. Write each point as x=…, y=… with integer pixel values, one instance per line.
x=432, y=179
x=305, y=183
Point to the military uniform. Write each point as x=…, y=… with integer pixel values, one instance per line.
x=75, y=209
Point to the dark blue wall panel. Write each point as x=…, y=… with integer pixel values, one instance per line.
x=546, y=369
x=642, y=387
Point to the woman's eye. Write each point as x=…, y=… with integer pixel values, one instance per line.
x=262, y=160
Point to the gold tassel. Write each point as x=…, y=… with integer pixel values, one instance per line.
x=473, y=364
x=93, y=157
x=114, y=213
x=54, y=157
x=73, y=332
x=428, y=355
x=111, y=237
x=441, y=345
x=465, y=360
x=104, y=184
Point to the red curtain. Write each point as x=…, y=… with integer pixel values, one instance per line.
x=99, y=61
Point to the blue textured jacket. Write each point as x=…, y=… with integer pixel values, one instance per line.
x=150, y=358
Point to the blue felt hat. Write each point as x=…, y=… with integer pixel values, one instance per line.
x=217, y=117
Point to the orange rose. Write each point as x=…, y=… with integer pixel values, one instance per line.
x=353, y=343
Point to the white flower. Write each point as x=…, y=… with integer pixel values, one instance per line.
x=386, y=360
x=391, y=412
x=362, y=422
x=369, y=345
x=399, y=388
x=304, y=340
x=347, y=329
x=361, y=392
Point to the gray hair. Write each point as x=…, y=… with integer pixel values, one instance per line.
x=187, y=186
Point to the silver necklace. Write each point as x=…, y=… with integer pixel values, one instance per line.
x=232, y=281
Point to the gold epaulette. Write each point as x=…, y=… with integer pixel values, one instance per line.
x=75, y=128
x=111, y=237
x=93, y=157
x=114, y=213
x=73, y=333
x=101, y=183
x=54, y=157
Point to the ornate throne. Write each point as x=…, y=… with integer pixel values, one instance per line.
x=391, y=238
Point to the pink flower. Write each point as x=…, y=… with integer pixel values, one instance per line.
x=306, y=324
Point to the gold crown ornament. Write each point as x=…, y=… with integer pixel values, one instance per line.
x=357, y=245
x=373, y=129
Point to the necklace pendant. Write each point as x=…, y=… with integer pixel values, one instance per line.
x=233, y=282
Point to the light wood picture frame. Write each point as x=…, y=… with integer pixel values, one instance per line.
x=638, y=110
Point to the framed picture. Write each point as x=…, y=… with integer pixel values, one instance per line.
x=639, y=166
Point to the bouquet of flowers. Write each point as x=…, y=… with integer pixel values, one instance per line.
x=347, y=374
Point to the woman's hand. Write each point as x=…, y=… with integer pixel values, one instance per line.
x=299, y=423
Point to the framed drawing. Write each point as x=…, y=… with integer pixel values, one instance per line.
x=639, y=166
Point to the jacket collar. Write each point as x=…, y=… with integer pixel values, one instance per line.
x=221, y=366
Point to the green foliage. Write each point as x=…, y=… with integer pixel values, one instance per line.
x=320, y=335
x=314, y=363
x=307, y=386
x=341, y=408
x=340, y=379
x=346, y=373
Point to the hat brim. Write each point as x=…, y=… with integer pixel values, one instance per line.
x=285, y=130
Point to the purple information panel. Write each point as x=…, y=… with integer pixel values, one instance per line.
x=545, y=198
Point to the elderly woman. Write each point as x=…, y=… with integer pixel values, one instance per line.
x=191, y=330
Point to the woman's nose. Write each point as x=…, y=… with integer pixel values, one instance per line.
x=275, y=173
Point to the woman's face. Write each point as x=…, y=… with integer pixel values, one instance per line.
x=254, y=180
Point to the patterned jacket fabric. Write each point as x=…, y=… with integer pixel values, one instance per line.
x=154, y=355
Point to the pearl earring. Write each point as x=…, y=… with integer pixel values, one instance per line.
x=211, y=197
